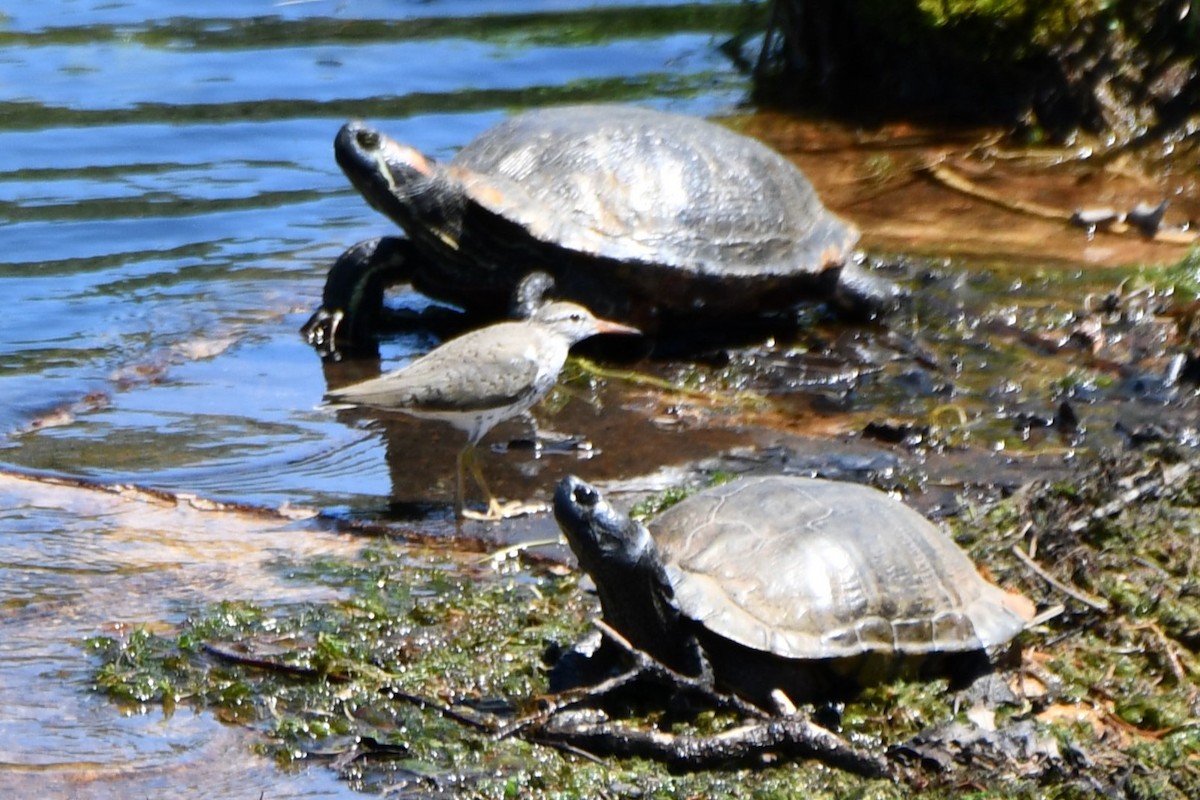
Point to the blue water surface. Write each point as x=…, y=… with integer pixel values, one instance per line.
x=169, y=206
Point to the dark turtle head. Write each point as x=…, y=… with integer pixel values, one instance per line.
x=605, y=541
x=635, y=595
x=400, y=182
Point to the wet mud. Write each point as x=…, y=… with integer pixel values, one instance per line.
x=880, y=178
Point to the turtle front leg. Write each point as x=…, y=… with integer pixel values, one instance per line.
x=699, y=666
x=352, y=303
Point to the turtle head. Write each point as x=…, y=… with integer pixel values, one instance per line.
x=604, y=540
x=636, y=596
x=398, y=181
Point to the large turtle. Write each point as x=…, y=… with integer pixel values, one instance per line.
x=807, y=587
x=663, y=221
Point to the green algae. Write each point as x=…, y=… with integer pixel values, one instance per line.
x=1112, y=685
x=659, y=502
x=323, y=680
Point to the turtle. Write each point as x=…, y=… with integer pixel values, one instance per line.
x=665, y=222
x=776, y=584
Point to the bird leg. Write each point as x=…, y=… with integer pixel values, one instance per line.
x=496, y=510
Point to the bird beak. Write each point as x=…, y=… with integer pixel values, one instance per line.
x=608, y=326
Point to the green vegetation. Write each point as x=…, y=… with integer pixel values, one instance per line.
x=1102, y=692
x=1182, y=278
x=1106, y=701
x=656, y=504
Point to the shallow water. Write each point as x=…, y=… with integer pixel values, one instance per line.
x=170, y=206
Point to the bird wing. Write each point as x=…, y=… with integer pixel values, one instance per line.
x=486, y=369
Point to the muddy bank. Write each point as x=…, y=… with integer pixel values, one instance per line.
x=975, y=198
x=407, y=682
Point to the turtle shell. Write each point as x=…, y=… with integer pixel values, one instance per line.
x=637, y=185
x=813, y=569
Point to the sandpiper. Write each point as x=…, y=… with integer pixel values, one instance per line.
x=480, y=379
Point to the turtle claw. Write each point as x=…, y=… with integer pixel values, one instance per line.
x=321, y=330
x=352, y=301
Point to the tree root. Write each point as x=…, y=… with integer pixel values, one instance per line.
x=759, y=741
x=762, y=739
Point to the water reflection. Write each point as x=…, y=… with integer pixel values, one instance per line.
x=170, y=204
x=600, y=431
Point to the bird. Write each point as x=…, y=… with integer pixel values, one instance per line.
x=479, y=379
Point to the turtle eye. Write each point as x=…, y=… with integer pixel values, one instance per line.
x=368, y=140
x=586, y=496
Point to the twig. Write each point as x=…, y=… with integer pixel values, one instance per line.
x=1097, y=603
x=505, y=553
x=644, y=666
x=946, y=176
x=762, y=737
x=488, y=725
x=793, y=736
x=485, y=725
x=258, y=662
x=364, y=747
x=953, y=409
x=943, y=174
x=1177, y=666
x=567, y=747
x=1166, y=477
x=647, y=665
x=563, y=701
x=709, y=397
